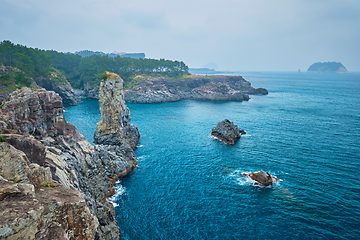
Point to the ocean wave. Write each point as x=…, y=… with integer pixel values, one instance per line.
x=120, y=190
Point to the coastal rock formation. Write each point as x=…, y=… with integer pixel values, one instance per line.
x=262, y=177
x=44, y=213
x=89, y=94
x=327, y=67
x=57, y=181
x=153, y=90
x=65, y=90
x=114, y=127
x=92, y=93
x=227, y=132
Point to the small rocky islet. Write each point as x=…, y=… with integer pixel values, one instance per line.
x=261, y=178
x=227, y=132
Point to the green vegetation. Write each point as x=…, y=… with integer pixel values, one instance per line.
x=24, y=64
x=2, y=139
x=50, y=185
x=1, y=106
x=108, y=75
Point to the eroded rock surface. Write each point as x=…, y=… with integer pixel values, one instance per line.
x=65, y=90
x=227, y=132
x=114, y=127
x=153, y=90
x=54, y=183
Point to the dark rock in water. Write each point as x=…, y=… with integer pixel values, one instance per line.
x=65, y=90
x=222, y=88
x=227, y=131
x=262, y=177
x=242, y=132
x=114, y=127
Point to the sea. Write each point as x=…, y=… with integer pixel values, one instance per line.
x=189, y=185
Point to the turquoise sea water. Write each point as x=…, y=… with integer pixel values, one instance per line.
x=189, y=185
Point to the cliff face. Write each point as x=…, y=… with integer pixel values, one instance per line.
x=65, y=91
x=152, y=90
x=114, y=127
x=57, y=180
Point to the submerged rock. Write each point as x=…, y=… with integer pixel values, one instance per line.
x=262, y=177
x=114, y=127
x=227, y=132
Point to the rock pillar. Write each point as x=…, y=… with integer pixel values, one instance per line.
x=114, y=127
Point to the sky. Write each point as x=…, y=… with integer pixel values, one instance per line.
x=237, y=35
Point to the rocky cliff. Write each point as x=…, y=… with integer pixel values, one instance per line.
x=65, y=90
x=114, y=127
x=153, y=90
x=56, y=180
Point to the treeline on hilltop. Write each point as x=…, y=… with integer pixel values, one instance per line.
x=87, y=53
x=23, y=64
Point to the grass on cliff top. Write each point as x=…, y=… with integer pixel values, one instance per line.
x=57, y=76
x=134, y=80
x=108, y=75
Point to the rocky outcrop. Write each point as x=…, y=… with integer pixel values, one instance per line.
x=227, y=132
x=261, y=177
x=65, y=90
x=44, y=213
x=114, y=127
x=153, y=90
x=65, y=180
x=92, y=93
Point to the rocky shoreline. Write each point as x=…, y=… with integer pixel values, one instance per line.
x=156, y=90
x=220, y=88
x=56, y=179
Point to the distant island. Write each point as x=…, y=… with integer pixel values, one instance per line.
x=327, y=67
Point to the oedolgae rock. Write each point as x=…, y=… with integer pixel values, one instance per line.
x=114, y=127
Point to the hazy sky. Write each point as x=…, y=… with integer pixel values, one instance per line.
x=245, y=35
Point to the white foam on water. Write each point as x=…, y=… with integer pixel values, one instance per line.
x=246, y=135
x=139, y=146
x=120, y=190
x=141, y=157
x=245, y=180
